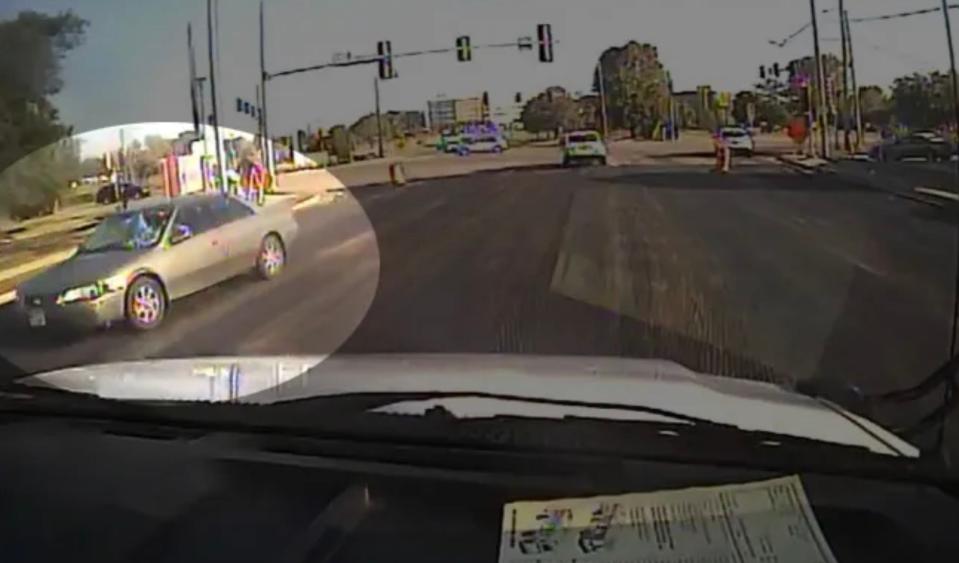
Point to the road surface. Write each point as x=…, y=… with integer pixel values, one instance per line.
x=761, y=274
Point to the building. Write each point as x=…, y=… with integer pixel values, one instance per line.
x=442, y=113
x=506, y=115
x=469, y=110
x=447, y=113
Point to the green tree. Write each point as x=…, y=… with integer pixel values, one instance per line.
x=637, y=87
x=550, y=111
x=922, y=100
x=876, y=108
x=32, y=48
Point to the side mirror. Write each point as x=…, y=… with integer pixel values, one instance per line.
x=180, y=233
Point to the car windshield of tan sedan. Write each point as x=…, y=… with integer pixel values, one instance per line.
x=134, y=230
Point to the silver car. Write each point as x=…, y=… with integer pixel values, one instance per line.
x=135, y=263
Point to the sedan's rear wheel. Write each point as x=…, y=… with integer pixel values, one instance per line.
x=145, y=304
x=272, y=257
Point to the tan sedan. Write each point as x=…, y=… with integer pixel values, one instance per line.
x=135, y=263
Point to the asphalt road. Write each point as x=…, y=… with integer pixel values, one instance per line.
x=761, y=274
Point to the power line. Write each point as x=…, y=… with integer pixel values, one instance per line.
x=883, y=17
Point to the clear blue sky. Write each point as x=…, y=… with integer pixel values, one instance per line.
x=133, y=67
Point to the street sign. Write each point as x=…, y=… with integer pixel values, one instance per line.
x=341, y=57
x=525, y=43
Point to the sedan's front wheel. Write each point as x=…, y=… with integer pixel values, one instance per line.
x=146, y=304
x=272, y=257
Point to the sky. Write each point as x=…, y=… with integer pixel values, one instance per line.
x=133, y=64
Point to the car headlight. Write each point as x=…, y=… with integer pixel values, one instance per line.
x=82, y=293
x=92, y=291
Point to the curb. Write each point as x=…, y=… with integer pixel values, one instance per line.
x=8, y=297
x=805, y=170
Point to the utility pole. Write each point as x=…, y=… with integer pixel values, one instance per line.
x=267, y=142
x=379, y=120
x=955, y=109
x=602, y=100
x=820, y=82
x=856, y=101
x=844, y=106
x=216, y=122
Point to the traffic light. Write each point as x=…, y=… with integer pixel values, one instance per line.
x=762, y=72
x=519, y=98
x=385, y=51
x=464, y=52
x=776, y=70
x=544, y=34
x=486, y=99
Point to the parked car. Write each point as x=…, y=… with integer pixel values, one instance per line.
x=487, y=143
x=450, y=143
x=583, y=146
x=921, y=144
x=110, y=194
x=135, y=263
x=739, y=140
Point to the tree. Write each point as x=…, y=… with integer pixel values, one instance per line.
x=91, y=167
x=32, y=47
x=922, y=100
x=875, y=105
x=637, y=87
x=342, y=143
x=550, y=111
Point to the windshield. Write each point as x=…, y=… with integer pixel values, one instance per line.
x=669, y=188
x=135, y=230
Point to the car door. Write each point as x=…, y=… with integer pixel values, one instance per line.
x=195, y=253
x=240, y=231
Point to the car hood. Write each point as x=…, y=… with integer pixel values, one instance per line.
x=79, y=269
x=609, y=384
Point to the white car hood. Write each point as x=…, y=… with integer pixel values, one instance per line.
x=607, y=387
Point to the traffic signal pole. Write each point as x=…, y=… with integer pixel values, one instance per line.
x=264, y=123
x=379, y=119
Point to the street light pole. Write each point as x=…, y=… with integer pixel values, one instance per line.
x=820, y=82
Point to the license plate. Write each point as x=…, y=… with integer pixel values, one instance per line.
x=36, y=317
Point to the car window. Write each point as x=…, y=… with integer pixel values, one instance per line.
x=197, y=218
x=584, y=138
x=232, y=209
x=223, y=210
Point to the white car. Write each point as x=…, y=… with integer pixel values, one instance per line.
x=487, y=143
x=584, y=146
x=739, y=140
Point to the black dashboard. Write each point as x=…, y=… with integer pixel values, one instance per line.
x=88, y=491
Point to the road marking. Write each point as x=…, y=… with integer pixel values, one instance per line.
x=935, y=192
